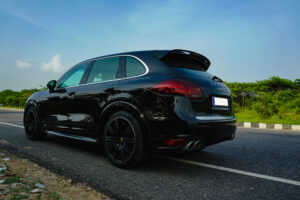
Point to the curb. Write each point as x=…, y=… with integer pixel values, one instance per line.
x=13, y=109
x=269, y=126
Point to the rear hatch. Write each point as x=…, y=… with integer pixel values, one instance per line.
x=192, y=67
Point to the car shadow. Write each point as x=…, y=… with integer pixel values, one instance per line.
x=153, y=164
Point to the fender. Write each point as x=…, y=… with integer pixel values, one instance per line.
x=31, y=103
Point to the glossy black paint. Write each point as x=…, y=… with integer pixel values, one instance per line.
x=83, y=110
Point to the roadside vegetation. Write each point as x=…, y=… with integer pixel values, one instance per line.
x=274, y=100
x=16, y=99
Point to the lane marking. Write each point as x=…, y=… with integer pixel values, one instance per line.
x=9, y=124
x=272, y=178
x=236, y=171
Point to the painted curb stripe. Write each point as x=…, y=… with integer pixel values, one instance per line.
x=269, y=126
x=12, y=109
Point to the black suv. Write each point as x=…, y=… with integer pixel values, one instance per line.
x=134, y=103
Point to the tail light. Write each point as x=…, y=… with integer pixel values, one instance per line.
x=178, y=87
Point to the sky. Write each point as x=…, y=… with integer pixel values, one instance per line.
x=245, y=40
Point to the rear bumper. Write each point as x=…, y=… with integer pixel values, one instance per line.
x=204, y=131
x=214, y=131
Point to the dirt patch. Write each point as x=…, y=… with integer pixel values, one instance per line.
x=22, y=179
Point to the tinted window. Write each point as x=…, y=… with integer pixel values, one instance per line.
x=104, y=70
x=134, y=67
x=73, y=77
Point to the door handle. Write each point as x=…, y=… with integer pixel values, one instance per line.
x=71, y=93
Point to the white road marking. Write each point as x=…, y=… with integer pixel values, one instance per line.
x=236, y=171
x=9, y=124
x=272, y=178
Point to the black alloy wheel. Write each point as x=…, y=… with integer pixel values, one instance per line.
x=123, y=140
x=32, y=124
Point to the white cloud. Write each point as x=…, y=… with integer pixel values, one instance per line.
x=23, y=64
x=54, y=65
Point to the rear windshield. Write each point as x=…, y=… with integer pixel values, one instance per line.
x=184, y=60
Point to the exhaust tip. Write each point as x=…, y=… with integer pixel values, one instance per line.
x=187, y=147
x=192, y=146
x=199, y=145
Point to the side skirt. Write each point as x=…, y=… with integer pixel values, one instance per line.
x=76, y=137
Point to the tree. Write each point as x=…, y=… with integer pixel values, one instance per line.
x=276, y=83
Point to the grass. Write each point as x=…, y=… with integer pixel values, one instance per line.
x=252, y=116
x=11, y=107
x=54, y=196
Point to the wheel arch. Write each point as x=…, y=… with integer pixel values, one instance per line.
x=123, y=106
x=29, y=104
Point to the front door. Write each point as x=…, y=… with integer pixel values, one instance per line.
x=56, y=113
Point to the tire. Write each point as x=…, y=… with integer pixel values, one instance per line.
x=32, y=124
x=123, y=140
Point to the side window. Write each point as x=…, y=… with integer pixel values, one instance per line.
x=73, y=77
x=134, y=67
x=104, y=70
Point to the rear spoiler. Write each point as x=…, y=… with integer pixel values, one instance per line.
x=204, y=61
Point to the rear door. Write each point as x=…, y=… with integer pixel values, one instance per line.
x=100, y=86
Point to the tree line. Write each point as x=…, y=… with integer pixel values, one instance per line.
x=273, y=96
x=16, y=98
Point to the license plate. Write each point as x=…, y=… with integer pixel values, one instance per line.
x=219, y=101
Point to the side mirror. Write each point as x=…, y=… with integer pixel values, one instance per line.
x=51, y=85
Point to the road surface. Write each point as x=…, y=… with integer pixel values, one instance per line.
x=257, y=164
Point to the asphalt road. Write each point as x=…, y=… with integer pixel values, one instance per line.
x=257, y=164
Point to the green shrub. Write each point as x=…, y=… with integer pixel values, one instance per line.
x=266, y=105
x=16, y=99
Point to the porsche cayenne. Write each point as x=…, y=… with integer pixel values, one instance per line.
x=134, y=103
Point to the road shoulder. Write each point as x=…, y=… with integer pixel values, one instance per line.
x=21, y=178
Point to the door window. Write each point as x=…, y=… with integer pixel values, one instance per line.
x=134, y=67
x=74, y=76
x=104, y=70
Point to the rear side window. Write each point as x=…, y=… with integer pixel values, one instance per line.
x=134, y=67
x=104, y=70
